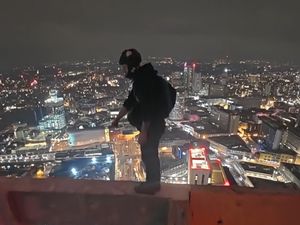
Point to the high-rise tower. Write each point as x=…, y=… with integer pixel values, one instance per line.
x=192, y=80
x=188, y=74
x=55, y=120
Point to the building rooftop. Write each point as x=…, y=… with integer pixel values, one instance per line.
x=204, y=126
x=283, y=150
x=234, y=142
x=294, y=169
x=271, y=122
x=295, y=130
x=259, y=168
x=176, y=134
x=263, y=183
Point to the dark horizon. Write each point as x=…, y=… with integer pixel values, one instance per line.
x=35, y=32
x=11, y=68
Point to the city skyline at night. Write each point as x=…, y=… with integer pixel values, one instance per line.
x=39, y=32
x=228, y=152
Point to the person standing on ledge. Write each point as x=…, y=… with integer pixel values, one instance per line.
x=146, y=112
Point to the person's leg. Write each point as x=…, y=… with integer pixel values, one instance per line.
x=150, y=158
x=151, y=161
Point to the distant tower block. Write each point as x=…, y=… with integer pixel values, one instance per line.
x=178, y=111
x=197, y=82
x=55, y=120
x=188, y=76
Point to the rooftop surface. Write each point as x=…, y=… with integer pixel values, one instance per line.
x=233, y=141
x=271, y=122
x=295, y=169
x=257, y=168
x=263, y=183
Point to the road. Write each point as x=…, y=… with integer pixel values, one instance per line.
x=128, y=160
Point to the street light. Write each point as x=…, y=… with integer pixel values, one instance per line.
x=74, y=171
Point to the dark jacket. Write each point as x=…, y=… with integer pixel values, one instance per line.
x=142, y=102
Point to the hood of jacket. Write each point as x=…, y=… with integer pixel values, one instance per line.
x=145, y=70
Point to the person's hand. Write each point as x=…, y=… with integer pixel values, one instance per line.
x=115, y=123
x=143, y=137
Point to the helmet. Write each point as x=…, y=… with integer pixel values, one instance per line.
x=130, y=57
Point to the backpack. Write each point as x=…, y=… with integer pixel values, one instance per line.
x=167, y=98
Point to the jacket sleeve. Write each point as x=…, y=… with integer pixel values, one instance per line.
x=144, y=93
x=130, y=102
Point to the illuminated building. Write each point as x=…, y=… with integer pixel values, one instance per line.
x=87, y=137
x=97, y=164
x=254, y=78
x=218, y=175
x=196, y=81
x=178, y=111
x=217, y=90
x=250, y=128
x=297, y=78
x=273, y=132
x=20, y=131
x=291, y=172
x=249, y=102
x=55, y=120
x=226, y=119
x=267, y=90
x=298, y=121
x=233, y=123
x=293, y=139
x=197, y=85
x=230, y=145
x=250, y=169
x=188, y=76
x=275, y=157
x=297, y=160
x=86, y=107
x=199, y=168
x=204, y=89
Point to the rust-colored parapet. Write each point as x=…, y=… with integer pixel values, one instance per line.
x=54, y=201
x=243, y=206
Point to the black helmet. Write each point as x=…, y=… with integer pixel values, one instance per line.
x=130, y=57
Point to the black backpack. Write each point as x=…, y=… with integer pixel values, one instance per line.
x=167, y=98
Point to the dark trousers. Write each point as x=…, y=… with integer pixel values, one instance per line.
x=150, y=151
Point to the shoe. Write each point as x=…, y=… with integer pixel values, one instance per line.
x=149, y=188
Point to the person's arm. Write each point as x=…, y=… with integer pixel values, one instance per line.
x=128, y=104
x=120, y=115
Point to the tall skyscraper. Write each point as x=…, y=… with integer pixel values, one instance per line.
x=178, y=112
x=197, y=82
x=188, y=76
x=267, y=90
x=55, y=120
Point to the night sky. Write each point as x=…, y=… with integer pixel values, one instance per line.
x=35, y=31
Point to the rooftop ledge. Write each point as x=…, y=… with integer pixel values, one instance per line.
x=54, y=201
